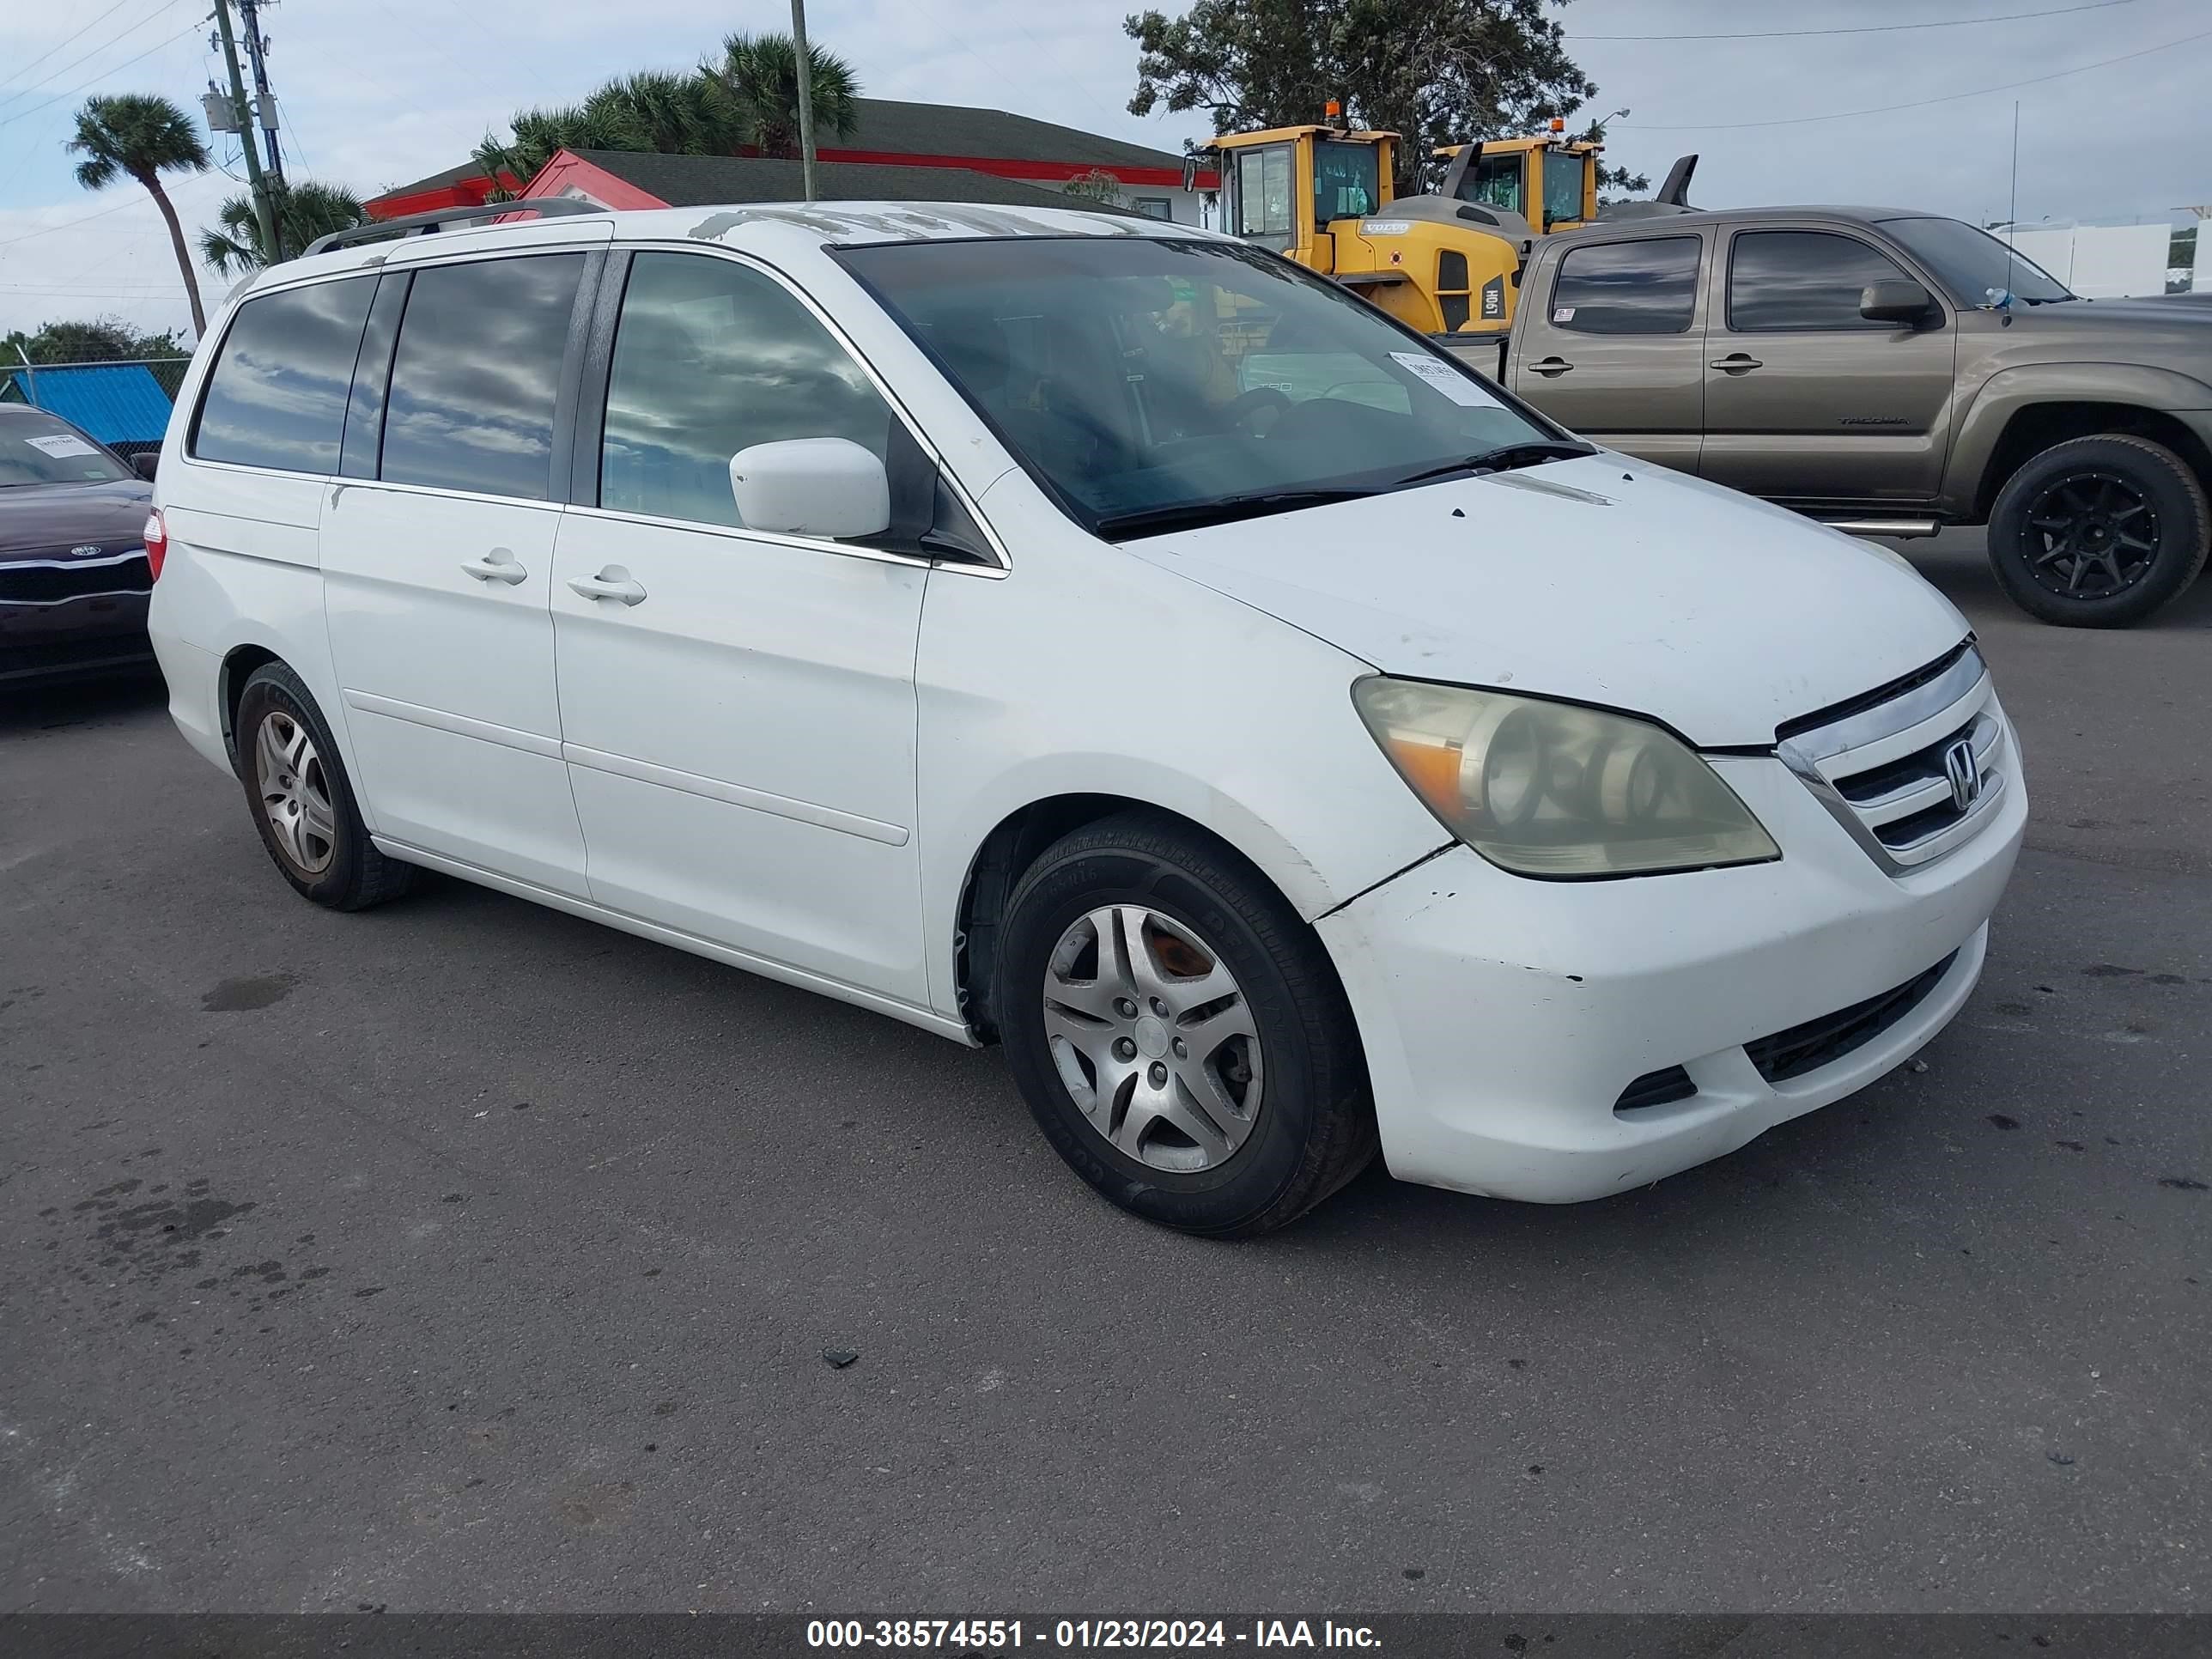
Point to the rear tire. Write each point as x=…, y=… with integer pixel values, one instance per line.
x=302, y=801
x=1159, y=1098
x=2099, y=532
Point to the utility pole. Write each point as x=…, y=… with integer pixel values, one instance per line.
x=265, y=106
x=264, y=211
x=805, y=97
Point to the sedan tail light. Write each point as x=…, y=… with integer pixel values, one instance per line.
x=157, y=543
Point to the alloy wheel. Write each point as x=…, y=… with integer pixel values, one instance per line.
x=295, y=793
x=2090, y=535
x=1153, y=1037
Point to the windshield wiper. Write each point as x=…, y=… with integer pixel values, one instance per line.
x=1222, y=509
x=1504, y=459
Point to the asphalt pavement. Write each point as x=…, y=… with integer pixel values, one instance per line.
x=463, y=1255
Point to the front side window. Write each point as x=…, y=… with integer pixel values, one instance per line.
x=1141, y=377
x=477, y=374
x=1974, y=265
x=710, y=358
x=1645, y=287
x=277, y=395
x=1347, y=181
x=35, y=448
x=1794, y=279
x=1562, y=186
x=1263, y=195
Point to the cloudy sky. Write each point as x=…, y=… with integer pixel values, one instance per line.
x=2113, y=124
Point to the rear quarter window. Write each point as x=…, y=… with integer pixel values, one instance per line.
x=277, y=397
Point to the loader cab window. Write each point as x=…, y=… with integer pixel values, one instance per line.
x=1563, y=187
x=1260, y=208
x=1347, y=181
x=1495, y=181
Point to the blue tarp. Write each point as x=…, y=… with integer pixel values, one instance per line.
x=116, y=403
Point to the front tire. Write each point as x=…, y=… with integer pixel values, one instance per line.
x=1178, y=1032
x=2099, y=532
x=302, y=801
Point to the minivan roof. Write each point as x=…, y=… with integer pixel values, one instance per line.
x=761, y=227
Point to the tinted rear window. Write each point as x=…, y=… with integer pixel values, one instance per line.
x=477, y=374
x=1648, y=287
x=278, y=396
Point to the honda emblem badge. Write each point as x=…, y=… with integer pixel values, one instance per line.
x=1965, y=772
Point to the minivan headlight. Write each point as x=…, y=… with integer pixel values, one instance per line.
x=1549, y=788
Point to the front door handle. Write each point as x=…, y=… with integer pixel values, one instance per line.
x=1551, y=366
x=1735, y=362
x=612, y=583
x=497, y=566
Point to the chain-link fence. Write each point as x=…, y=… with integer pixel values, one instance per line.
x=125, y=404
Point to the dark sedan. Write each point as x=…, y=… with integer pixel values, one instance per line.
x=73, y=573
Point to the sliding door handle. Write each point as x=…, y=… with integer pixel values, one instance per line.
x=1735, y=362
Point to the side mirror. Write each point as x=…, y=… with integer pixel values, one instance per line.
x=146, y=463
x=826, y=487
x=1896, y=301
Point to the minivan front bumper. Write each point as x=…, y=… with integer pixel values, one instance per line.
x=1505, y=1018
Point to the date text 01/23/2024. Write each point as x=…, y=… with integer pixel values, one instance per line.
x=1006, y=1635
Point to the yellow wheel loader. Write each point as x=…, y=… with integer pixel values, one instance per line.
x=1322, y=196
x=1446, y=262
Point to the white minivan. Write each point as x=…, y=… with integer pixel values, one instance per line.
x=1096, y=636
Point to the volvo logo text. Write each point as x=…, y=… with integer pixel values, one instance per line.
x=1965, y=772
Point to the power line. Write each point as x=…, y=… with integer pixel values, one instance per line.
x=1918, y=103
x=159, y=7
x=66, y=39
x=23, y=114
x=1865, y=28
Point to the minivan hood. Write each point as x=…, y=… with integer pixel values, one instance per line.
x=1602, y=579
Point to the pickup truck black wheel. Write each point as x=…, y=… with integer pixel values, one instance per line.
x=1179, y=1032
x=2099, y=532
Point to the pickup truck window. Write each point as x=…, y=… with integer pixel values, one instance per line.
x=1973, y=265
x=1801, y=279
x=1649, y=286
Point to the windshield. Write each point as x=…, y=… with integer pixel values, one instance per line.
x=35, y=448
x=1347, y=181
x=1138, y=376
x=1971, y=263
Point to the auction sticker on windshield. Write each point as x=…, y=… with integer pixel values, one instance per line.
x=1446, y=380
x=60, y=444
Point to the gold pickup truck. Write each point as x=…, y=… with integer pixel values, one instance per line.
x=1892, y=373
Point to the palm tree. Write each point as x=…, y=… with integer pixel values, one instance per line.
x=144, y=137
x=761, y=74
x=669, y=114
x=305, y=210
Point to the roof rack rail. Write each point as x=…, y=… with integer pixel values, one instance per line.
x=414, y=224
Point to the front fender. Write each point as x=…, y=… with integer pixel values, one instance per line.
x=2010, y=391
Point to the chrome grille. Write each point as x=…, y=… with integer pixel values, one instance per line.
x=1916, y=774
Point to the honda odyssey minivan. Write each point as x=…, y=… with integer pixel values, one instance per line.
x=1097, y=637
